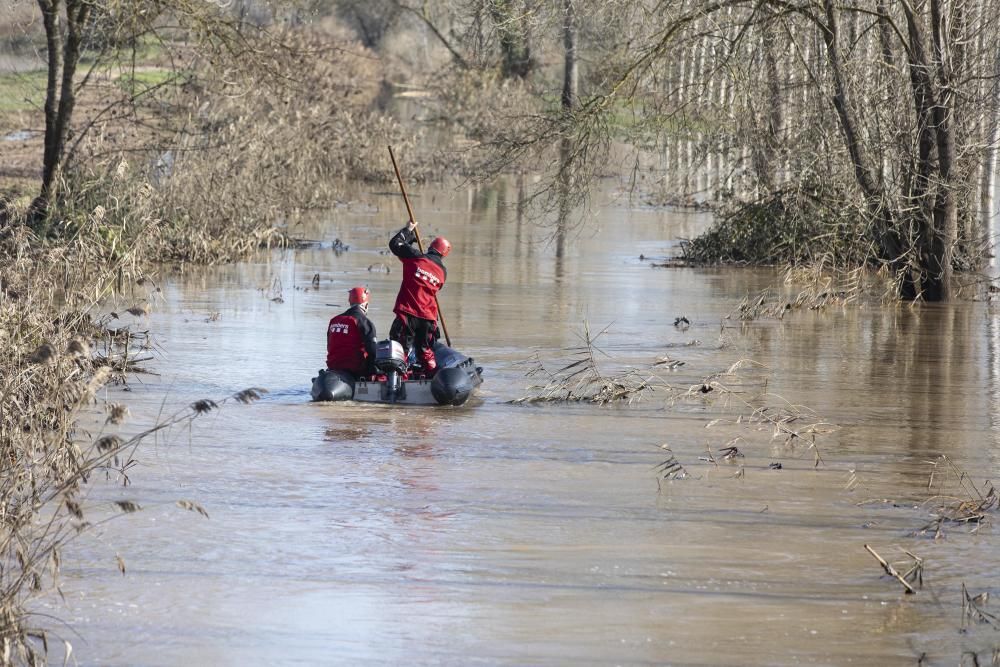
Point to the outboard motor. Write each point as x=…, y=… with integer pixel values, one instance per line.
x=390, y=360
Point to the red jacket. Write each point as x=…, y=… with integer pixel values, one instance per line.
x=423, y=276
x=350, y=342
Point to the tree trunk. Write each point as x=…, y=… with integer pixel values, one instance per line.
x=60, y=95
x=570, y=69
x=53, y=40
x=989, y=161
x=945, y=231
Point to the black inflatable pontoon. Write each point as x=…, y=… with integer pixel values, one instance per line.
x=456, y=378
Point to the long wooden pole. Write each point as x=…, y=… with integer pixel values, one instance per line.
x=409, y=211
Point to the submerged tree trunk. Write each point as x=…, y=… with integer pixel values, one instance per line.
x=569, y=97
x=945, y=231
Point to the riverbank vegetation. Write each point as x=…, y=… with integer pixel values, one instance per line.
x=886, y=112
x=192, y=134
x=846, y=134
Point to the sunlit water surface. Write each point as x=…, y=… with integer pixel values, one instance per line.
x=538, y=534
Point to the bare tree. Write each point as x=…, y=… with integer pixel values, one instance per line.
x=890, y=112
x=64, y=51
x=110, y=33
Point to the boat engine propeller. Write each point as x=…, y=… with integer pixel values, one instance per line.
x=391, y=361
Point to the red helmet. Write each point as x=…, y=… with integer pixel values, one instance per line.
x=441, y=246
x=357, y=295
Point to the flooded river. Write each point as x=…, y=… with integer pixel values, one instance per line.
x=542, y=533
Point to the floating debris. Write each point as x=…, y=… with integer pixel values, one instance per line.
x=581, y=379
x=891, y=571
x=669, y=362
x=731, y=453
x=117, y=412
x=969, y=504
x=128, y=506
x=973, y=612
x=108, y=443
x=192, y=507
x=670, y=469
x=250, y=395
x=43, y=354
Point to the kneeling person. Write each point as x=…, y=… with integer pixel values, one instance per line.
x=350, y=338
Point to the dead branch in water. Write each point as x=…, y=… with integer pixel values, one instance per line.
x=891, y=571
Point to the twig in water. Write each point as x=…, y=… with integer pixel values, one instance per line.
x=972, y=609
x=581, y=379
x=670, y=469
x=891, y=571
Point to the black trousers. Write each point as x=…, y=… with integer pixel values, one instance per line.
x=418, y=334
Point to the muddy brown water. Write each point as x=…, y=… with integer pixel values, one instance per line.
x=539, y=534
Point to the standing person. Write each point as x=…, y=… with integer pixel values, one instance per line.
x=350, y=337
x=416, y=306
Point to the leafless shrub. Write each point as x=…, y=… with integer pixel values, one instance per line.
x=579, y=378
x=788, y=421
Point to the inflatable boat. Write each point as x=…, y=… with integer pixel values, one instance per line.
x=396, y=381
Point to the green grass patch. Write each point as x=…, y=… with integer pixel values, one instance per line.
x=22, y=91
x=142, y=80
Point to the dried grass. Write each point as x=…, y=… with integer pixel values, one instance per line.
x=957, y=499
x=57, y=358
x=821, y=291
x=580, y=378
x=974, y=612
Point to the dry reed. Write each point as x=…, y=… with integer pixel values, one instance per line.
x=57, y=358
